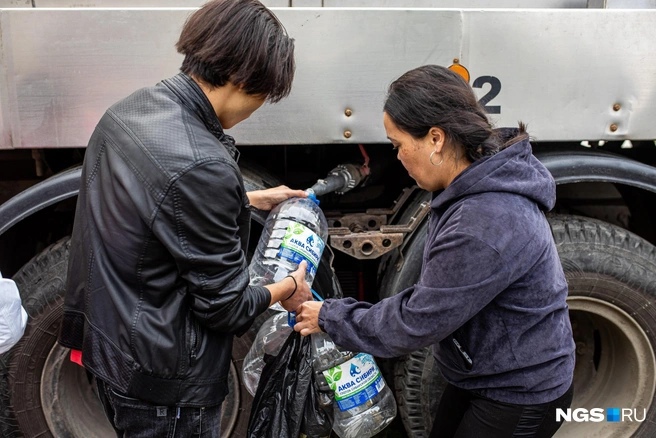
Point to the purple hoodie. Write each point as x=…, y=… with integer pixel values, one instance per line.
x=491, y=296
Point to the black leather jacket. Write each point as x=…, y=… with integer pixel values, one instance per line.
x=157, y=277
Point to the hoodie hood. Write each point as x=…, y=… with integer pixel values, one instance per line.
x=512, y=170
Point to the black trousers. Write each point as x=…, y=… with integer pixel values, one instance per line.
x=462, y=414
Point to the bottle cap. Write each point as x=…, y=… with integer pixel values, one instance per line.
x=313, y=197
x=291, y=319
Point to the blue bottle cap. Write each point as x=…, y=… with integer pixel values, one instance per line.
x=313, y=197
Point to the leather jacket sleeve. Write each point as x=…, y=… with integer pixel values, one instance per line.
x=198, y=223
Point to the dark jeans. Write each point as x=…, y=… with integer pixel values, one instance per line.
x=132, y=418
x=462, y=414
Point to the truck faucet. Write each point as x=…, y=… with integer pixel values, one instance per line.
x=343, y=177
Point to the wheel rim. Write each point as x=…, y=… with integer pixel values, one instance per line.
x=69, y=401
x=72, y=409
x=614, y=364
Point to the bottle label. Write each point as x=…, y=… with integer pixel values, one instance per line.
x=355, y=381
x=301, y=243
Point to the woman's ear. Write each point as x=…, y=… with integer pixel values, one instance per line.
x=437, y=137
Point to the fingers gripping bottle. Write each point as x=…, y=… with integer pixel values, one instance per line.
x=294, y=231
x=364, y=403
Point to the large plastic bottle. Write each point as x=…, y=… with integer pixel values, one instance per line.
x=364, y=403
x=294, y=231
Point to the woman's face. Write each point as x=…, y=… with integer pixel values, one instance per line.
x=414, y=154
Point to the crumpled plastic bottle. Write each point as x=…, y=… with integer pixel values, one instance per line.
x=268, y=342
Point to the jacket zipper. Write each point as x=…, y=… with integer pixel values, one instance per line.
x=463, y=354
x=194, y=343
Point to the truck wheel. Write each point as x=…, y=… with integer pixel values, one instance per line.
x=418, y=388
x=611, y=275
x=46, y=395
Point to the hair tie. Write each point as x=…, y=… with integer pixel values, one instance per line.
x=295, y=287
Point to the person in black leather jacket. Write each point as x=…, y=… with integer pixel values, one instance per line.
x=158, y=281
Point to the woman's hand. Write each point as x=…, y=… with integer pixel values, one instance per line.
x=269, y=198
x=307, y=318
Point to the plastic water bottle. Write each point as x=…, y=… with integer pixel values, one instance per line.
x=268, y=341
x=364, y=403
x=294, y=231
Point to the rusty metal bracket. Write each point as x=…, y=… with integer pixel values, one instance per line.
x=357, y=222
x=367, y=235
x=367, y=245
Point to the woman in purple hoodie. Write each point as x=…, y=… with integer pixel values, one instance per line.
x=491, y=295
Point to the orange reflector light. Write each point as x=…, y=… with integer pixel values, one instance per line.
x=461, y=70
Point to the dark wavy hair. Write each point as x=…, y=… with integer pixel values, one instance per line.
x=240, y=41
x=432, y=95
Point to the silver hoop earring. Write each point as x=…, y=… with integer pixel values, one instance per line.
x=431, y=159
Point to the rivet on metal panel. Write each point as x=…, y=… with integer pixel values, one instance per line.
x=347, y=134
x=613, y=127
x=456, y=60
x=348, y=112
x=617, y=107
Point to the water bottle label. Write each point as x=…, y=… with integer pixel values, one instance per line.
x=355, y=381
x=301, y=243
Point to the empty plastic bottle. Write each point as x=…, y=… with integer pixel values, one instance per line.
x=268, y=341
x=294, y=231
x=364, y=403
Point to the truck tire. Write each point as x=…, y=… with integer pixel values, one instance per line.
x=611, y=275
x=44, y=394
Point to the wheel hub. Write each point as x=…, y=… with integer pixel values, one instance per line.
x=614, y=364
x=72, y=409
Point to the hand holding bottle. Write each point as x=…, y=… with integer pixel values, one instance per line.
x=268, y=198
x=307, y=318
x=302, y=291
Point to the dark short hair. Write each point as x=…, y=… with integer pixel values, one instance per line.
x=433, y=95
x=240, y=41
